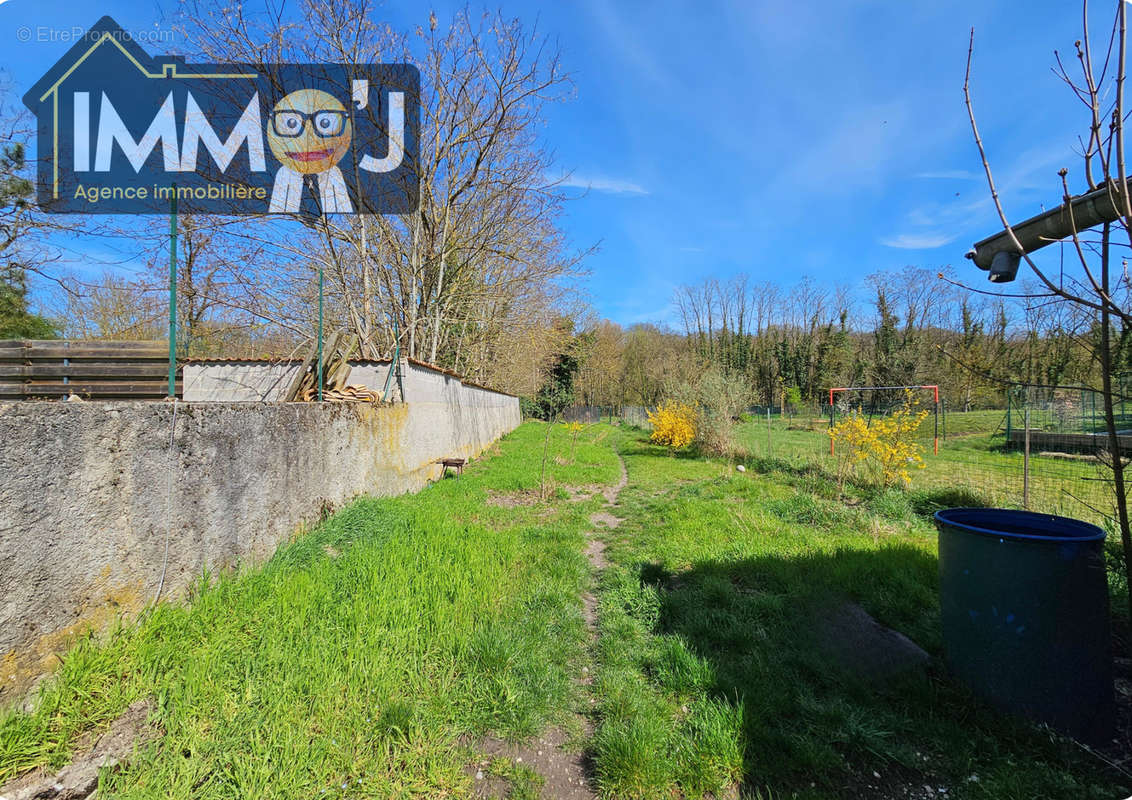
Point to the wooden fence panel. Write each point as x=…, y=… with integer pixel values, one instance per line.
x=102, y=370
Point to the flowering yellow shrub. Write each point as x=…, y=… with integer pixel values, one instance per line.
x=673, y=424
x=886, y=446
x=573, y=428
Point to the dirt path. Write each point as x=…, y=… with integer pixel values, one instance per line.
x=567, y=772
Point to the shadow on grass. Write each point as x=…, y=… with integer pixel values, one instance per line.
x=756, y=632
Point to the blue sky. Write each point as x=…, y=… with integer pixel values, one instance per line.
x=779, y=138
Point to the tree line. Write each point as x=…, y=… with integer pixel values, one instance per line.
x=792, y=344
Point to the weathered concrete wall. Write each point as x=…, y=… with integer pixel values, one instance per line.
x=91, y=493
x=237, y=381
x=259, y=381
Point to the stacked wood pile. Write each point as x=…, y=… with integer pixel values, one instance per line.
x=91, y=370
x=336, y=354
x=347, y=394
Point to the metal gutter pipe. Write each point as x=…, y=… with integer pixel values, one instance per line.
x=998, y=255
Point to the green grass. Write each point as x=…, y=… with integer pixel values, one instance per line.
x=971, y=457
x=368, y=655
x=709, y=673
x=352, y=675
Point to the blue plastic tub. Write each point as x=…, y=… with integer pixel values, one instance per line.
x=1024, y=607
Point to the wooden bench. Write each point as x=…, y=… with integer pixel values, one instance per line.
x=458, y=463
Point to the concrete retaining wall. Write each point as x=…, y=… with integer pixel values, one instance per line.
x=91, y=493
x=267, y=381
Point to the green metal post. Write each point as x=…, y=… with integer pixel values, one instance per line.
x=320, y=334
x=1008, y=404
x=396, y=360
x=173, y=292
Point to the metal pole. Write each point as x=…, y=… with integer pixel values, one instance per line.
x=396, y=360
x=173, y=292
x=1009, y=444
x=935, y=439
x=320, y=334
x=768, y=450
x=1026, y=461
x=831, y=421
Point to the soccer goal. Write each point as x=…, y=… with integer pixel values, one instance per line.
x=879, y=401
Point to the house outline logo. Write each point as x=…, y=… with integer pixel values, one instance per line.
x=103, y=31
x=230, y=109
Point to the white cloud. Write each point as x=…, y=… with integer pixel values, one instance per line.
x=1024, y=179
x=949, y=174
x=918, y=241
x=597, y=183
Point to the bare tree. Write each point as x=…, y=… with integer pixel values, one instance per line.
x=484, y=246
x=22, y=226
x=1096, y=286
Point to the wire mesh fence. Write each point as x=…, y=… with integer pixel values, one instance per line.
x=636, y=415
x=1069, y=411
x=977, y=461
x=589, y=414
x=976, y=457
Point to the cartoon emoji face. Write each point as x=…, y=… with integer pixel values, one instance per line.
x=309, y=131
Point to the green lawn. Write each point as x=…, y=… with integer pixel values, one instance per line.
x=711, y=670
x=970, y=456
x=351, y=663
x=364, y=660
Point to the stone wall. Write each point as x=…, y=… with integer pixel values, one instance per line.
x=93, y=493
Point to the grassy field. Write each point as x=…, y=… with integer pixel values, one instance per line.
x=366, y=658
x=710, y=655
x=971, y=455
x=352, y=663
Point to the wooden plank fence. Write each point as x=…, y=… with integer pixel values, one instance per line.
x=92, y=370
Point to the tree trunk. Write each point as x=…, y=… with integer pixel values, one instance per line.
x=1110, y=420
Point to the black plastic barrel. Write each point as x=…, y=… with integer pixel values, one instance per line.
x=1024, y=605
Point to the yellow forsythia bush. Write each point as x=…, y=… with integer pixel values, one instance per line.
x=673, y=424
x=887, y=446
